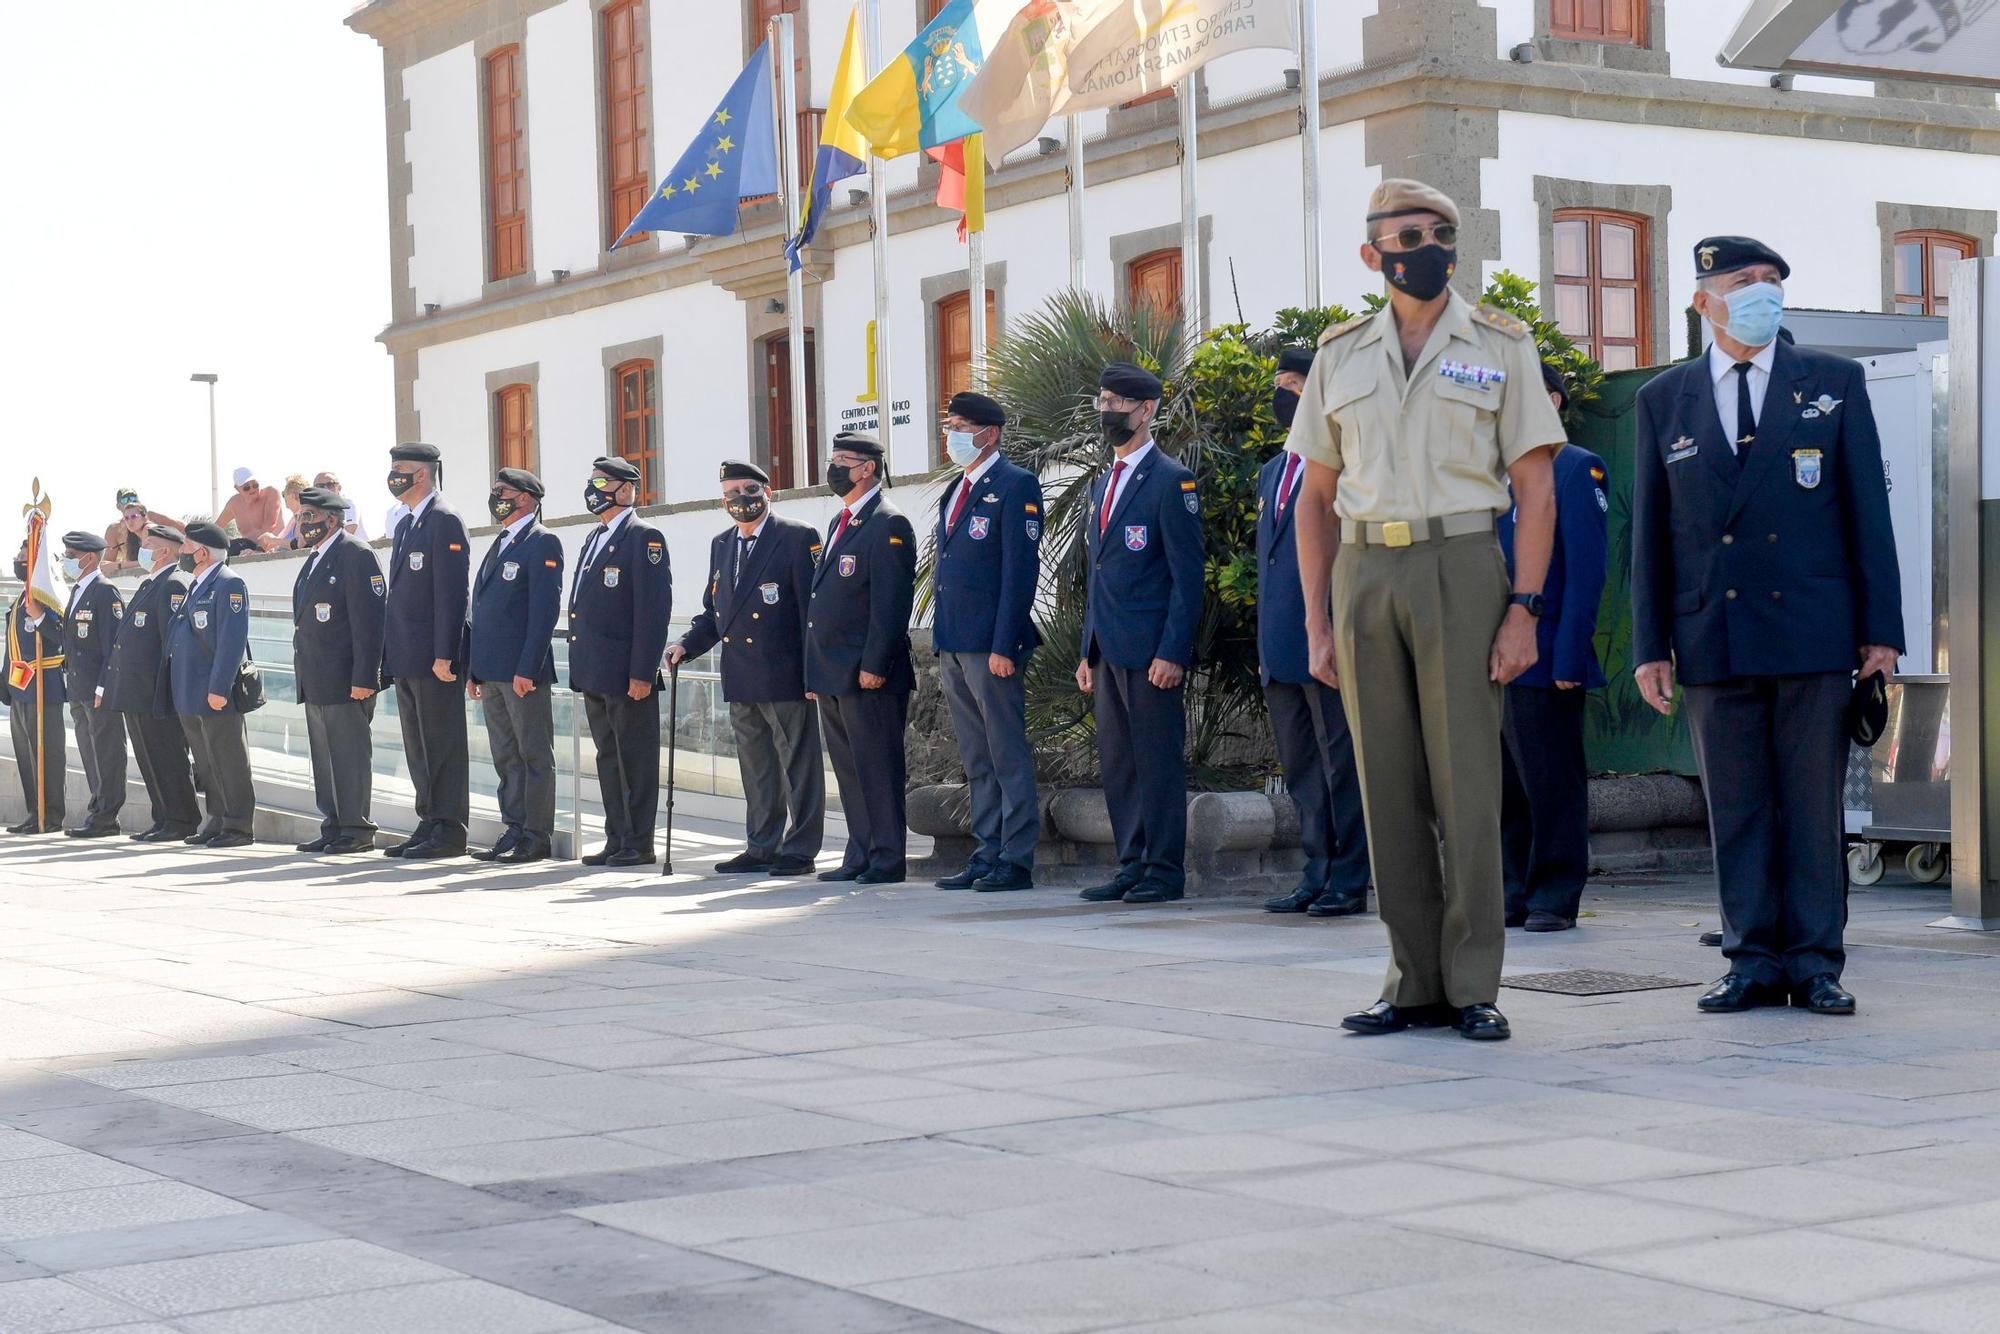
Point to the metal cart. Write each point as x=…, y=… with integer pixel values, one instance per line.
x=1910, y=776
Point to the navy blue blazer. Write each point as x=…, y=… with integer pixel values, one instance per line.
x=94, y=619
x=1782, y=564
x=1281, y=598
x=208, y=642
x=516, y=597
x=1565, y=636
x=136, y=679
x=44, y=641
x=338, y=612
x=987, y=567
x=428, y=572
x=862, y=592
x=1146, y=580
x=758, y=616
x=619, y=605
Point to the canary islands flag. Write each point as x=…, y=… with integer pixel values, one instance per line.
x=913, y=103
x=733, y=157
x=842, y=150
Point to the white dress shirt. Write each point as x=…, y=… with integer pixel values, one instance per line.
x=601, y=538
x=1722, y=371
x=971, y=480
x=1132, y=463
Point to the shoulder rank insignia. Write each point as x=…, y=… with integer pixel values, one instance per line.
x=1332, y=332
x=1495, y=318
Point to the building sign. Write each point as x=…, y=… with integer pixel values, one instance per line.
x=865, y=417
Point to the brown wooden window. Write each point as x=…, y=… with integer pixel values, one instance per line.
x=506, y=214
x=514, y=421
x=778, y=410
x=954, y=348
x=1611, y=21
x=636, y=390
x=626, y=159
x=1923, y=270
x=1155, y=279
x=1601, y=297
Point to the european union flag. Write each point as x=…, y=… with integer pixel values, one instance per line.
x=732, y=158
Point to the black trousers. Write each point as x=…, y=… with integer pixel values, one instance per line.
x=1309, y=724
x=1142, y=752
x=432, y=713
x=161, y=748
x=864, y=739
x=627, y=734
x=1773, y=755
x=100, y=744
x=784, y=782
x=221, y=754
x=343, y=766
x=41, y=772
x=1544, y=801
x=522, y=734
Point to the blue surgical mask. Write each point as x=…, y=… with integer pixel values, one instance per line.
x=1755, y=313
x=961, y=447
x=72, y=568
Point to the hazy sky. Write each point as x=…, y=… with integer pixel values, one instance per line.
x=189, y=185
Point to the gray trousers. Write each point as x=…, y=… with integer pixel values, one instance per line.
x=433, y=717
x=784, y=782
x=21, y=719
x=343, y=750
x=161, y=749
x=1773, y=755
x=100, y=744
x=989, y=715
x=522, y=736
x=223, y=759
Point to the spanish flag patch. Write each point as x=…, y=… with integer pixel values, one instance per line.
x=895, y=541
x=1032, y=508
x=549, y=563
x=1188, y=485
x=456, y=547
x=1597, y=473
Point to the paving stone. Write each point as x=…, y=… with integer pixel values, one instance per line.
x=478, y=1164
x=70, y=1171
x=1335, y=1259
x=1570, y=1223
x=1056, y=1296
x=1946, y=1310
x=1534, y=1299
x=1791, y=1194
x=774, y=1132
x=29, y=1216
x=257, y=1277
x=575, y=1262
x=755, y=1211
x=464, y=1306
x=145, y=1242
x=775, y=1302
x=600, y=1102
x=53, y=1305
x=17, y=1144
x=1587, y=1162
x=1378, y=1188
x=1803, y=1269
x=1193, y=1158
x=153, y=1074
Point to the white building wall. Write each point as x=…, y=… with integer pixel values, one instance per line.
x=563, y=176
x=446, y=267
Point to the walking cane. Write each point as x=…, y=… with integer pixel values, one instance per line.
x=673, y=737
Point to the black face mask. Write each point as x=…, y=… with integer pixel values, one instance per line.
x=312, y=534
x=597, y=501
x=1284, y=406
x=499, y=506
x=399, y=482
x=1117, y=427
x=747, y=509
x=1422, y=272
x=839, y=478
x=186, y=563
x=21, y=569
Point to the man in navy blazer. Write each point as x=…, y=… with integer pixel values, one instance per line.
x=1544, y=805
x=988, y=541
x=510, y=670
x=1144, y=547
x=1763, y=575
x=1308, y=720
x=95, y=615
x=206, y=649
x=339, y=604
x=135, y=685
x=619, y=605
x=422, y=651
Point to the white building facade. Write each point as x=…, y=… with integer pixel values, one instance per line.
x=1589, y=146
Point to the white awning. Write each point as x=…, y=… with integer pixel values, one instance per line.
x=1935, y=41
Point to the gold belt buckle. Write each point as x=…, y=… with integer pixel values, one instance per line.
x=1396, y=534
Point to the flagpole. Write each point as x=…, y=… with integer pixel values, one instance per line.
x=878, y=218
x=975, y=281
x=1191, y=315
x=1309, y=143
x=1073, y=128
x=785, y=79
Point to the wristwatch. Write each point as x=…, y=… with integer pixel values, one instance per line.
x=1534, y=602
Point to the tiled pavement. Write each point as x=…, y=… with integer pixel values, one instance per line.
x=247, y=1092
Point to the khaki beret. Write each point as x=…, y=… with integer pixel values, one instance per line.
x=1395, y=197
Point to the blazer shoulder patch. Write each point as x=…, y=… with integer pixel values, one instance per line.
x=1345, y=327
x=1495, y=318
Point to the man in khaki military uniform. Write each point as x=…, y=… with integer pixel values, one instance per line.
x=1412, y=424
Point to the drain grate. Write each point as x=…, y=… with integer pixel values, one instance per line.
x=1591, y=982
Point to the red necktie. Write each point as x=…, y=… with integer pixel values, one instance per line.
x=1291, y=475
x=839, y=530
x=958, y=506
x=1110, y=496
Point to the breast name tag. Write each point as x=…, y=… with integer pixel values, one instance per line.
x=1683, y=448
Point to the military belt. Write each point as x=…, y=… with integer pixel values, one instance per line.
x=1404, y=532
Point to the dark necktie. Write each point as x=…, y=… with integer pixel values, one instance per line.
x=1110, y=497
x=1746, y=421
x=743, y=546
x=958, y=506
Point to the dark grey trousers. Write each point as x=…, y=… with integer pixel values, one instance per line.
x=100, y=744
x=1142, y=753
x=220, y=753
x=343, y=749
x=161, y=748
x=1309, y=724
x=864, y=739
x=1544, y=801
x=433, y=716
x=784, y=781
x=21, y=719
x=522, y=736
x=989, y=717
x=627, y=735
x=1773, y=755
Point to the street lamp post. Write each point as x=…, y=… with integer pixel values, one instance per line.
x=214, y=492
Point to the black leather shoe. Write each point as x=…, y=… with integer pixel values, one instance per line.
x=743, y=862
x=1005, y=876
x=631, y=857
x=1152, y=891
x=841, y=873
x=526, y=850
x=172, y=833
x=1483, y=1023
x=398, y=849
x=964, y=879
x=1381, y=1017
x=1712, y=939
x=312, y=845
x=790, y=866
x=25, y=827
x=340, y=847
x=231, y=840
x=1116, y=889
x=431, y=850
x=498, y=850
x=888, y=875
x=1516, y=919
x=1822, y=995
x=1331, y=904
x=599, y=857
x=92, y=831
x=147, y=835
x=1548, y=921
x=199, y=840
x=1738, y=991
x=1298, y=900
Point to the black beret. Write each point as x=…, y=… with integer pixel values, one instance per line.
x=320, y=498
x=1129, y=381
x=742, y=470
x=1299, y=359
x=977, y=409
x=82, y=541
x=523, y=481
x=854, y=442
x=1868, y=710
x=414, y=453
x=166, y=534
x=205, y=534
x=1725, y=254
x=1553, y=380
x=615, y=467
